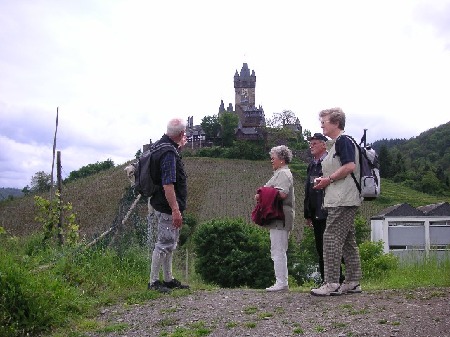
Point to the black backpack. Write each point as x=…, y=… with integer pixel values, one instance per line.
x=143, y=182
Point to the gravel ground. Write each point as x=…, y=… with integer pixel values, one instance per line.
x=245, y=312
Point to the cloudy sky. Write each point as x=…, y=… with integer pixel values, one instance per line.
x=118, y=70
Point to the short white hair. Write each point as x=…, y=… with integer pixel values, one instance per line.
x=175, y=126
x=283, y=153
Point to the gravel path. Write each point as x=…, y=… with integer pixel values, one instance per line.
x=245, y=312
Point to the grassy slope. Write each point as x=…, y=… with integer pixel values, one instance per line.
x=217, y=188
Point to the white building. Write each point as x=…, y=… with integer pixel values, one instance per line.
x=413, y=232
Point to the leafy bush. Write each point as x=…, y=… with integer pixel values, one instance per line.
x=374, y=263
x=30, y=302
x=89, y=170
x=232, y=253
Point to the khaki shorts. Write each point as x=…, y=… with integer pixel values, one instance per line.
x=168, y=235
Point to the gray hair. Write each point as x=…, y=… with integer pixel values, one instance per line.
x=282, y=152
x=335, y=116
x=175, y=126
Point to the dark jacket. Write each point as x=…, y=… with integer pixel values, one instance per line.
x=158, y=200
x=314, y=198
x=269, y=206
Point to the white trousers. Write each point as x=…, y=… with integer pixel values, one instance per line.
x=278, y=248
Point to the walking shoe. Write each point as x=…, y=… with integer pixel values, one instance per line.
x=349, y=288
x=158, y=286
x=278, y=287
x=175, y=284
x=326, y=289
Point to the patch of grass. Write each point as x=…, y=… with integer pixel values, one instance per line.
x=168, y=321
x=117, y=327
x=250, y=310
x=320, y=328
x=338, y=325
x=264, y=315
x=231, y=325
x=193, y=331
x=250, y=325
x=298, y=331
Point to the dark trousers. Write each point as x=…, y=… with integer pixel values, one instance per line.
x=319, y=228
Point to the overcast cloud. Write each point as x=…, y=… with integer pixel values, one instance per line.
x=118, y=70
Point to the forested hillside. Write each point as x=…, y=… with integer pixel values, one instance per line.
x=422, y=162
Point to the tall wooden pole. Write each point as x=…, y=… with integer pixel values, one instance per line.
x=59, y=184
x=53, y=159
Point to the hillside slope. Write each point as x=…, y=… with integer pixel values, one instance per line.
x=217, y=188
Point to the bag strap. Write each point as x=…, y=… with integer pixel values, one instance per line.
x=358, y=185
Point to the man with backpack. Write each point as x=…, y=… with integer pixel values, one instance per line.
x=169, y=202
x=314, y=212
x=342, y=200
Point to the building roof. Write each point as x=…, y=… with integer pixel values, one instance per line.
x=398, y=210
x=249, y=131
x=439, y=209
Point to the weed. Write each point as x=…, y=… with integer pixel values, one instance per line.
x=298, y=331
x=265, y=315
x=339, y=325
x=320, y=328
x=250, y=325
x=231, y=325
x=250, y=310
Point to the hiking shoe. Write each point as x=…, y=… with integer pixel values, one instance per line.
x=326, y=289
x=278, y=287
x=175, y=284
x=349, y=288
x=158, y=286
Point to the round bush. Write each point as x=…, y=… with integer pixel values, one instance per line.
x=232, y=253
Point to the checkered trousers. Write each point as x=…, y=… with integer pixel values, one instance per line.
x=339, y=240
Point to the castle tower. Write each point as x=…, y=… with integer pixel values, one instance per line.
x=244, y=89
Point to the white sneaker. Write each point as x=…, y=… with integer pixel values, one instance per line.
x=278, y=287
x=326, y=289
x=349, y=288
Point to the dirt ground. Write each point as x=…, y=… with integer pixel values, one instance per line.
x=245, y=312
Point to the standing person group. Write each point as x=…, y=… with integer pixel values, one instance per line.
x=331, y=202
x=341, y=201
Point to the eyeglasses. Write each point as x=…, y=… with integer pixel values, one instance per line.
x=323, y=122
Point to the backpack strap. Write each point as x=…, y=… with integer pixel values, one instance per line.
x=358, y=185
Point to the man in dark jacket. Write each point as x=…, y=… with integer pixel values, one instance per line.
x=314, y=213
x=169, y=202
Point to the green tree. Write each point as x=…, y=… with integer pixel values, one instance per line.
x=26, y=190
x=430, y=183
x=211, y=127
x=41, y=182
x=385, y=162
x=138, y=154
x=228, y=122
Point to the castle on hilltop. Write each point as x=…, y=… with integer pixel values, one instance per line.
x=252, y=120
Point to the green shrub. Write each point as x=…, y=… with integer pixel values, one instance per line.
x=303, y=259
x=374, y=263
x=30, y=302
x=232, y=253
